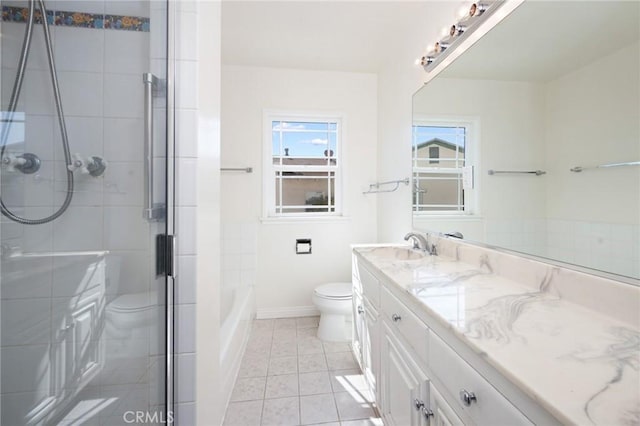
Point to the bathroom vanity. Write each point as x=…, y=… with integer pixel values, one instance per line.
x=480, y=336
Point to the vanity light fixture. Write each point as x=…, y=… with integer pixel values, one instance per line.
x=470, y=18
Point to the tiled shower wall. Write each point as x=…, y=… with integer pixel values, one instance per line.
x=100, y=82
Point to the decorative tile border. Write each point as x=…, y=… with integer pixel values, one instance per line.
x=79, y=19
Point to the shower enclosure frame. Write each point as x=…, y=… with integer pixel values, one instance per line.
x=170, y=219
x=165, y=252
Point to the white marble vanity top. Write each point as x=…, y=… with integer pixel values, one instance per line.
x=581, y=364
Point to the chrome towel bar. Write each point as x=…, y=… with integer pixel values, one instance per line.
x=530, y=172
x=578, y=169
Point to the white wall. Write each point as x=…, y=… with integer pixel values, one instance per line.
x=398, y=79
x=284, y=280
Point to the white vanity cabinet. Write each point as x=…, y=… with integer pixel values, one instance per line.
x=366, y=334
x=417, y=378
x=404, y=387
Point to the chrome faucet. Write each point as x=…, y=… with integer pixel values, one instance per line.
x=420, y=242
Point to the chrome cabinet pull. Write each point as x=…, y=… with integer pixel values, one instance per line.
x=418, y=404
x=360, y=310
x=467, y=397
x=427, y=412
x=396, y=317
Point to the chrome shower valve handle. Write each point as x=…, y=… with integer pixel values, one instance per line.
x=94, y=166
x=26, y=163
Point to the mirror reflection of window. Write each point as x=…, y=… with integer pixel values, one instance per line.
x=439, y=156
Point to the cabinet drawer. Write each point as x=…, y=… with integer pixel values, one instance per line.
x=490, y=407
x=406, y=323
x=370, y=286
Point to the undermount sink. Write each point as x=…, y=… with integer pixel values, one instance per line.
x=397, y=253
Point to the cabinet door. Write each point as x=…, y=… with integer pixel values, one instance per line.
x=371, y=348
x=443, y=414
x=358, y=327
x=403, y=385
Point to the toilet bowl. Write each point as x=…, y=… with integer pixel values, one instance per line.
x=334, y=303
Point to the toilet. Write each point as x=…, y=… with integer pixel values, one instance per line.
x=334, y=303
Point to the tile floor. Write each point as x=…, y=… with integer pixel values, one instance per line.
x=290, y=377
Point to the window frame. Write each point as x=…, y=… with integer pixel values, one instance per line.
x=471, y=205
x=269, y=207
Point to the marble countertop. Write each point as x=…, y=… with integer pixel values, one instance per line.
x=581, y=365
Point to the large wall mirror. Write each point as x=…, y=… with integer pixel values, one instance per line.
x=530, y=140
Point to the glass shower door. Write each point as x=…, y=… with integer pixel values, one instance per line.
x=83, y=196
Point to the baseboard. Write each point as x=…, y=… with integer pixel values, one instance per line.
x=296, y=311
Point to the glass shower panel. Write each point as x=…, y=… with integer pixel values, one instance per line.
x=82, y=307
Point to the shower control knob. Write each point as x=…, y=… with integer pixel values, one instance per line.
x=94, y=166
x=26, y=163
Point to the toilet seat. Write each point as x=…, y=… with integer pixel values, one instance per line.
x=132, y=302
x=334, y=291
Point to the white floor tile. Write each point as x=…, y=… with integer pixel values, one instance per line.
x=246, y=413
x=307, y=322
x=341, y=361
x=310, y=346
x=281, y=412
x=254, y=365
x=248, y=389
x=280, y=349
x=281, y=323
x=283, y=365
x=314, y=383
x=353, y=405
x=332, y=347
x=318, y=409
x=347, y=380
x=311, y=363
x=282, y=386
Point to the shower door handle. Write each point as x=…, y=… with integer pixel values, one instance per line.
x=152, y=211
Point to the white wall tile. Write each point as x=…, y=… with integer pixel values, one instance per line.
x=123, y=184
x=25, y=368
x=79, y=49
x=126, y=52
x=187, y=96
x=123, y=139
x=186, y=377
x=37, y=96
x=186, y=181
x=187, y=43
x=82, y=93
x=93, y=6
x=186, y=137
x=186, y=230
x=12, y=38
x=186, y=330
x=125, y=228
x=127, y=7
x=39, y=136
x=123, y=96
x=25, y=321
x=186, y=282
x=79, y=228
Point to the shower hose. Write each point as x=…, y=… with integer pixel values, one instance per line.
x=15, y=95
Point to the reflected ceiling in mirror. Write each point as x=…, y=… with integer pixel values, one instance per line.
x=553, y=87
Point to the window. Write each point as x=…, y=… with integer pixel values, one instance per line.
x=440, y=163
x=303, y=165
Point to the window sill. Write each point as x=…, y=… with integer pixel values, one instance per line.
x=447, y=217
x=288, y=220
